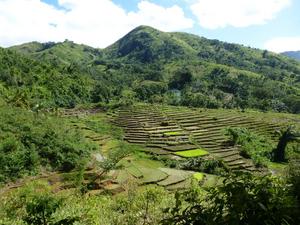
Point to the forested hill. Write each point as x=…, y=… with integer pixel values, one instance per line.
x=148, y=45
x=174, y=68
x=25, y=82
x=293, y=54
x=63, y=53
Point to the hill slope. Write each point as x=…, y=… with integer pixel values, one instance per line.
x=148, y=45
x=26, y=82
x=181, y=69
x=62, y=53
x=293, y=54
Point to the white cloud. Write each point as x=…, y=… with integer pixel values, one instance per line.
x=214, y=14
x=283, y=44
x=94, y=22
x=167, y=19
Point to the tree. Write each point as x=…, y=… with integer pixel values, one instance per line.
x=146, y=89
x=113, y=158
x=41, y=208
x=127, y=97
x=180, y=79
x=286, y=136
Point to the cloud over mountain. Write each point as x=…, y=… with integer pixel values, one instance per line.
x=281, y=44
x=94, y=22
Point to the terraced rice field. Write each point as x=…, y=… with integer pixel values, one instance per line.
x=181, y=132
x=146, y=171
x=132, y=169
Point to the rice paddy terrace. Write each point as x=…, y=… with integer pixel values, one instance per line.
x=179, y=132
x=172, y=132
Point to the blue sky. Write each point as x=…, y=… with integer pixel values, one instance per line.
x=285, y=24
x=266, y=24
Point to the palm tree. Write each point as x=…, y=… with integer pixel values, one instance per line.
x=286, y=136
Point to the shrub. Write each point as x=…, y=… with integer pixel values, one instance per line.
x=256, y=147
x=207, y=165
x=242, y=199
x=29, y=141
x=35, y=204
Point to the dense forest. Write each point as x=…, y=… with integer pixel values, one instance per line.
x=152, y=66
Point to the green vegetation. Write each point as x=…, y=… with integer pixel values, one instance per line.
x=77, y=124
x=172, y=133
x=239, y=199
x=192, y=153
x=59, y=54
x=134, y=206
x=287, y=136
x=208, y=165
x=29, y=83
x=198, y=176
x=155, y=67
x=242, y=199
x=256, y=147
x=29, y=141
x=260, y=148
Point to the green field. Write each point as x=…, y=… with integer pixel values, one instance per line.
x=192, y=153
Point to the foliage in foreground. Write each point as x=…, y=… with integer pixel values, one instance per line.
x=243, y=199
x=135, y=206
x=29, y=141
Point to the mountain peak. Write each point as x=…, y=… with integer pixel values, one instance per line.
x=147, y=44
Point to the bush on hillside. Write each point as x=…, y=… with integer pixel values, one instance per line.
x=256, y=147
x=29, y=140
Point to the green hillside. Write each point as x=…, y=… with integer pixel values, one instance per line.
x=179, y=69
x=26, y=82
x=63, y=53
x=148, y=45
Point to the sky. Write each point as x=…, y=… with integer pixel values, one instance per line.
x=264, y=24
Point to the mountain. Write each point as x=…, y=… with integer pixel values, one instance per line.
x=292, y=54
x=62, y=53
x=148, y=45
x=177, y=68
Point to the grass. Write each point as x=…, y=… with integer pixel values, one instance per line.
x=134, y=171
x=152, y=175
x=192, y=153
x=173, y=133
x=124, y=176
x=181, y=185
x=212, y=181
x=277, y=168
x=175, y=176
x=198, y=176
x=171, y=180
